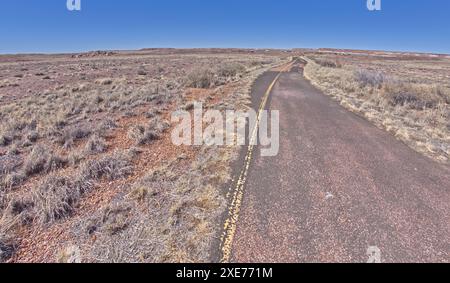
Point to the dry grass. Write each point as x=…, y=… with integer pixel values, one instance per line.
x=178, y=225
x=95, y=145
x=201, y=78
x=57, y=196
x=70, y=151
x=40, y=160
x=408, y=98
x=328, y=63
x=7, y=245
x=208, y=78
x=113, y=166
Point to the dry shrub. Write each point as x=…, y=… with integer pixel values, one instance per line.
x=370, y=78
x=328, y=63
x=32, y=136
x=200, y=78
x=19, y=208
x=415, y=96
x=229, y=70
x=208, y=78
x=14, y=129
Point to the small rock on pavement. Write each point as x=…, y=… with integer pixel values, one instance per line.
x=329, y=196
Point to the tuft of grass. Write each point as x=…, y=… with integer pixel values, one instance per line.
x=142, y=135
x=136, y=132
x=56, y=197
x=104, y=81
x=139, y=193
x=5, y=139
x=113, y=220
x=95, y=145
x=112, y=167
x=12, y=180
x=142, y=72
x=42, y=160
x=7, y=247
x=32, y=136
x=71, y=135
x=188, y=106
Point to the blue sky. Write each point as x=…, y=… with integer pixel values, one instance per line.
x=47, y=26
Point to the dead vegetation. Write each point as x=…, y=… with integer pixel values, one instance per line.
x=166, y=216
x=209, y=78
x=56, y=196
x=90, y=134
x=327, y=63
x=7, y=244
x=146, y=134
x=410, y=99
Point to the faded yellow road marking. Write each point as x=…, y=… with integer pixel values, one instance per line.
x=238, y=192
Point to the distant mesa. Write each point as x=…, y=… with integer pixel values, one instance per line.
x=94, y=54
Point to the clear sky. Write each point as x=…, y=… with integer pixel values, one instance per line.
x=47, y=26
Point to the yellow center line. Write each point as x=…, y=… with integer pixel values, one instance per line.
x=238, y=192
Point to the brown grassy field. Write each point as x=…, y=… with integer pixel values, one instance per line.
x=87, y=168
x=406, y=94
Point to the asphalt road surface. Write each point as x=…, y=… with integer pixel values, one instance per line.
x=338, y=186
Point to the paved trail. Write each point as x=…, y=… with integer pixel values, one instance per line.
x=338, y=186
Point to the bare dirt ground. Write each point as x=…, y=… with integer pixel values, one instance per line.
x=87, y=168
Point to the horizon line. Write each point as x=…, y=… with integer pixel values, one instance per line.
x=218, y=48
